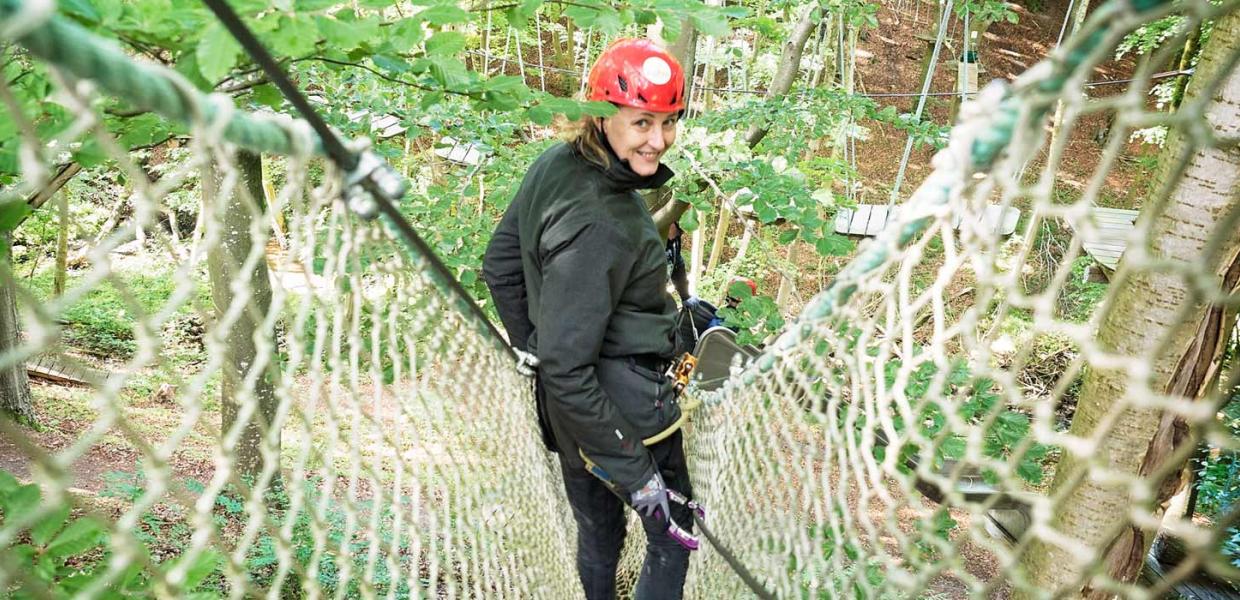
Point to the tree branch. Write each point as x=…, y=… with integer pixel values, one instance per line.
x=560, y=2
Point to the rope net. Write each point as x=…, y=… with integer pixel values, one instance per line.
x=905, y=436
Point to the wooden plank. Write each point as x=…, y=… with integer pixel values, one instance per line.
x=878, y=220
x=51, y=369
x=1127, y=213
x=861, y=217
x=842, y=217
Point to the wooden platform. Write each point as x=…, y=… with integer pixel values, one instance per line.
x=59, y=369
x=1163, y=559
x=459, y=151
x=1106, y=245
x=870, y=219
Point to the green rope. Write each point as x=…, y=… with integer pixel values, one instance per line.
x=77, y=51
x=985, y=150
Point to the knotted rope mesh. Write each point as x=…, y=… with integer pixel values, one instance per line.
x=890, y=443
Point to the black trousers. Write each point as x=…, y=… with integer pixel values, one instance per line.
x=601, y=517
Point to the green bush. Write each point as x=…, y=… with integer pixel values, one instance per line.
x=104, y=320
x=61, y=555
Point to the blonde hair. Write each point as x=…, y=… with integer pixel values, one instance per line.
x=587, y=140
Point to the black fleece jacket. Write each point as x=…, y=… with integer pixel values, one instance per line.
x=578, y=272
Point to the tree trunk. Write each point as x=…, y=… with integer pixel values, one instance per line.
x=1186, y=61
x=1057, y=121
x=14, y=386
x=244, y=375
x=62, y=246
x=789, y=64
x=1149, y=313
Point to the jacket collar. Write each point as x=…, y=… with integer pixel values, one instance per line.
x=623, y=177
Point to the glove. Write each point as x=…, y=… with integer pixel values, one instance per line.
x=652, y=498
x=691, y=302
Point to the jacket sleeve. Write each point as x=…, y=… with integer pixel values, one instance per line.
x=680, y=275
x=505, y=277
x=585, y=270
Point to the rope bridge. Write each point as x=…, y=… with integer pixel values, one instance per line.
x=872, y=450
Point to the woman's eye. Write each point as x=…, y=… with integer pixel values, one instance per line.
x=642, y=123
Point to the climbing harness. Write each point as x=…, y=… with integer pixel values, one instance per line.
x=674, y=530
x=680, y=371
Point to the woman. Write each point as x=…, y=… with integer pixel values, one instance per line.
x=577, y=271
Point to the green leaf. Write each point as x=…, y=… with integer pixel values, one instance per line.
x=1030, y=470
x=430, y=99
x=80, y=535
x=142, y=130
x=8, y=483
x=598, y=109
x=504, y=83
x=689, y=221
x=833, y=245
x=405, y=35
x=12, y=213
x=571, y=109
x=712, y=24
x=445, y=43
x=91, y=154
x=582, y=17
x=391, y=63
x=296, y=36
x=79, y=8
x=953, y=447
x=787, y=237
x=671, y=27
x=203, y=566
x=48, y=525
x=448, y=71
x=217, y=53
x=608, y=21
x=499, y=101
x=540, y=114
x=345, y=35
x=187, y=66
x=267, y=95
x=313, y=5
x=444, y=14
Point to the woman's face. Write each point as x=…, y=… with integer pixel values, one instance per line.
x=640, y=137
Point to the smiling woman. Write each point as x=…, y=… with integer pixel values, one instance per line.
x=577, y=271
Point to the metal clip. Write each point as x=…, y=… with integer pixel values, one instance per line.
x=527, y=364
x=680, y=371
x=384, y=180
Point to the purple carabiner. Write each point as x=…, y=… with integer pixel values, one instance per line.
x=682, y=537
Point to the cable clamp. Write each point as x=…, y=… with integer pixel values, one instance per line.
x=371, y=176
x=527, y=364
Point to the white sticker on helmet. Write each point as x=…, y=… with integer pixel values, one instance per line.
x=656, y=70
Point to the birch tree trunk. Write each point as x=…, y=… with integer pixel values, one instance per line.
x=789, y=64
x=1078, y=18
x=1162, y=319
x=14, y=386
x=244, y=374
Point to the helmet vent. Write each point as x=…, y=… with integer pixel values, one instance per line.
x=642, y=99
x=624, y=84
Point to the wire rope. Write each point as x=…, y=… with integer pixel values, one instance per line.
x=921, y=102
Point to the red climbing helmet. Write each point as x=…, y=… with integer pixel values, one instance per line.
x=753, y=287
x=638, y=73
